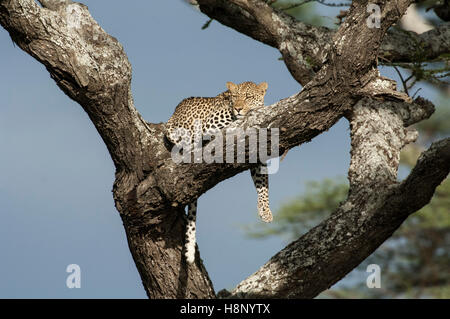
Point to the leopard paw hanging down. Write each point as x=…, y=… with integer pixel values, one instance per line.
x=215, y=113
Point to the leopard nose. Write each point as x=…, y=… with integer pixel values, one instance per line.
x=239, y=105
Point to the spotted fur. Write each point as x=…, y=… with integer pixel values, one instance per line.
x=207, y=114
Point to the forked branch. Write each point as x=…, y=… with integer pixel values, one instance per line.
x=150, y=190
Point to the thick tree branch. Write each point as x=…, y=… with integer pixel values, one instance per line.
x=407, y=46
x=377, y=205
x=303, y=46
x=233, y=16
x=89, y=65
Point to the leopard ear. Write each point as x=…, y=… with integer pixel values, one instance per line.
x=263, y=86
x=232, y=87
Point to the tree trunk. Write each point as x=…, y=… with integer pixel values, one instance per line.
x=156, y=250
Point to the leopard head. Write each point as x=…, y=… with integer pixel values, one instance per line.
x=246, y=96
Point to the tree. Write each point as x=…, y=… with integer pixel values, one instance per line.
x=338, y=72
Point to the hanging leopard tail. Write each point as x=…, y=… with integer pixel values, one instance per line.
x=261, y=181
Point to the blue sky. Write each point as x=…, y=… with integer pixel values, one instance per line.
x=56, y=175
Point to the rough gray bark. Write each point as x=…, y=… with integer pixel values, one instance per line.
x=376, y=206
x=150, y=190
x=304, y=47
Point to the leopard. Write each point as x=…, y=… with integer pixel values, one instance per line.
x=209, y=114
